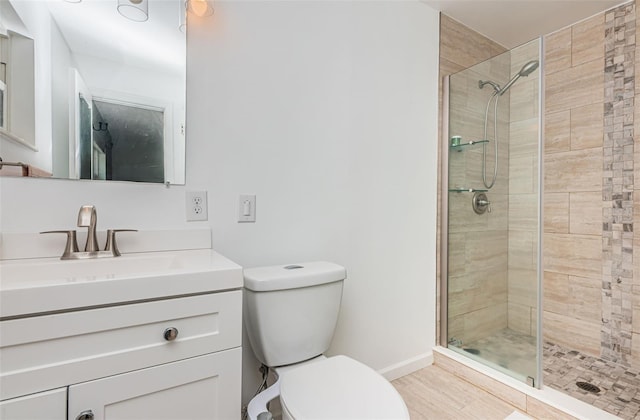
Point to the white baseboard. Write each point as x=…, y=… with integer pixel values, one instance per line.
x=406, y=367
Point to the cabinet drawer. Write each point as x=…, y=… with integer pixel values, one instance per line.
x=49, y=351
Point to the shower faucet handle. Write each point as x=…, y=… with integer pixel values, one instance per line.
x=485, y=203
x=480, y=203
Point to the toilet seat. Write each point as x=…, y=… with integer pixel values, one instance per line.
x=339, y=388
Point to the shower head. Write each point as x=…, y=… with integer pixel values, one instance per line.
x=529, y=68
x=526, y=70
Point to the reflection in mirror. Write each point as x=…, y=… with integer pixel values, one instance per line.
x=116, y=89
x=85, y=147
x=132, y=148
x=17, y=100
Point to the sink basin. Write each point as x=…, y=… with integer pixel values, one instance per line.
x=34, y=286
x=33, y=272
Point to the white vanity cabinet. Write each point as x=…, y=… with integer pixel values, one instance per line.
x=203, y=387
x=48, y=405
x=171, y=357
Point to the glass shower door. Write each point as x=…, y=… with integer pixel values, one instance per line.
x=493, y=212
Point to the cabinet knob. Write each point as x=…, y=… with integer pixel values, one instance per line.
x=170, y=334
x=85, y=415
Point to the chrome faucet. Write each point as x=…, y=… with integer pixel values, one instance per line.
x=88, y=217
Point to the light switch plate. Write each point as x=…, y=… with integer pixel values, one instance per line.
x=247, y=208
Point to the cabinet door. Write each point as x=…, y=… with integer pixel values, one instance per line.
x=48, y=405
x=204, y=387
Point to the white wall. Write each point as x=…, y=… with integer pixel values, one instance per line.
x=328, y=112
x=61, y=61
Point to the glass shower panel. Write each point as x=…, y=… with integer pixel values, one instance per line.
x=493, y=212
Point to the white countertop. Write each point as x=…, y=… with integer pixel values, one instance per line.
x=30, y=286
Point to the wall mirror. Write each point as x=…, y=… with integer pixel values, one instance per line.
x=108, y=78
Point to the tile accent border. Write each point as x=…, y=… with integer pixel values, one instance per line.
x=617, y=184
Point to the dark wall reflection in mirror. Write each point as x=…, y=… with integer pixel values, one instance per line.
x=128, y=142
x=86, y=148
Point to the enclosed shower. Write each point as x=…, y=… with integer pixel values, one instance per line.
x=491, y=213
x=582, y=339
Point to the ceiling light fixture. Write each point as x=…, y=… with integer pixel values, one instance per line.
x=200, y=8
x=136, y=10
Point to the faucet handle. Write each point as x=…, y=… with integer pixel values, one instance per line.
x=111, y=244
x=72, y=242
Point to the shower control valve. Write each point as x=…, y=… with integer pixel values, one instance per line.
x=481, y=203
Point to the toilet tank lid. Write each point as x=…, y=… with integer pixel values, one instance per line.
x=292, y=276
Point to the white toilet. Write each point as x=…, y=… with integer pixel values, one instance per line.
x=291, y=313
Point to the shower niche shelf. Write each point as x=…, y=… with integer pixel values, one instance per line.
x=461, y=146
x=470, y=190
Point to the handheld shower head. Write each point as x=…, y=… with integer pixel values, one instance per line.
x=529, y=68
x=525, y=71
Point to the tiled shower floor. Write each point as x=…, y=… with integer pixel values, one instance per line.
x=620, y=386
x=562, y=368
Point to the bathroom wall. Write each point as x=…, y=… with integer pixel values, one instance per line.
x=327, y=111
x=492, y=257
x=478, y=258
x=590, y=288
x=333, y=129
x=523, y=192
x=574, y=75
x=461, y=48
x=60, y=63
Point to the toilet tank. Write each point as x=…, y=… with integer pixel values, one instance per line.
x=291, y=311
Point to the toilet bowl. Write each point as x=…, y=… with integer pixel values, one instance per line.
x=290, y=313
x=339, y=388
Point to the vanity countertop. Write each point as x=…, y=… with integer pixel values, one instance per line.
x=42, y=285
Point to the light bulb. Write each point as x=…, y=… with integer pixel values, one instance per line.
x=200, y=8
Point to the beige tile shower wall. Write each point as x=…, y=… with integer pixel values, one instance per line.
x=478, y=262
x=523, y=194
x=574, y=76
x=635, y=340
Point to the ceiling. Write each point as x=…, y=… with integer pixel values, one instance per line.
x=514, y=22
x=95, y=28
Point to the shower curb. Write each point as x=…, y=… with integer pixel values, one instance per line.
x=539, y=403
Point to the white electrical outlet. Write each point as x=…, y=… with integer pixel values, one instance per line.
x=247, y=208
x=196, y=202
